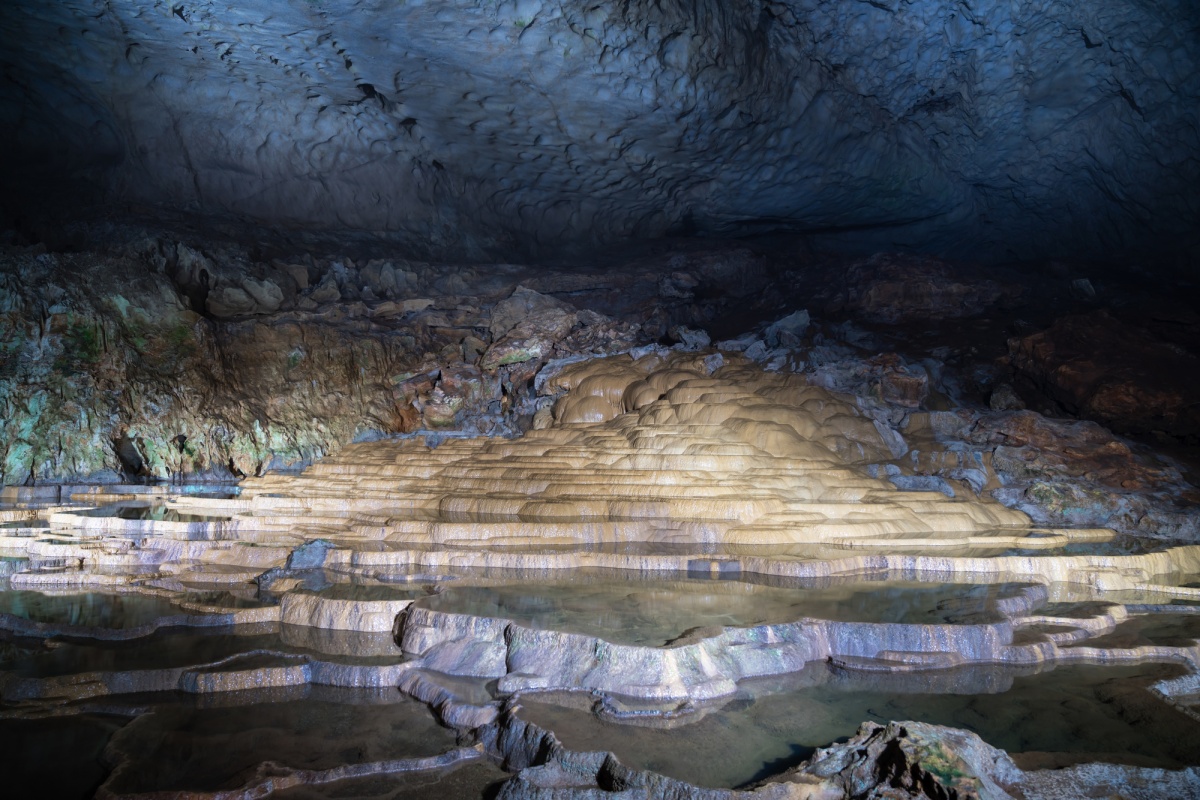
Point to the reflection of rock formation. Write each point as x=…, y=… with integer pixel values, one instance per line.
x=293, y=738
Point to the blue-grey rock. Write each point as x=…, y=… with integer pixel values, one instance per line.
x=310, y=555
x=786, y=332
x=1031, y=129
x=922, y=483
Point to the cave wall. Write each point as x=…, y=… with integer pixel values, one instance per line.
x=1022, y=129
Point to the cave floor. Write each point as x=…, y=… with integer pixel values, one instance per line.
x=690, y=564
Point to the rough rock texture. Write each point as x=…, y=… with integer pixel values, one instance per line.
x=120, y=375
x=1100, y=368
x=1062, y=472
x=106, y=366
x=891, y=289
x=897, y=761
x=913, y=760
x=1034, y=128
x=131, y=358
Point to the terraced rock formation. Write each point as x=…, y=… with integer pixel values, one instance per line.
x=682, y=538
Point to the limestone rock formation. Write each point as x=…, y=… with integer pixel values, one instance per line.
x=913, y=760
x=1070, y=472
x=891, y=289
x=158, y=359
x=498, y=398
x=1038, y=129
x=798, y=550
x=1100, y=368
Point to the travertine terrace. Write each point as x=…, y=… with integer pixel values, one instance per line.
x=649, y=452
x=677, y=466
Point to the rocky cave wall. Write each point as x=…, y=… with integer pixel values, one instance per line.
x=470, y=127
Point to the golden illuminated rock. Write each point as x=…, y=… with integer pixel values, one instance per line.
x=653, y=450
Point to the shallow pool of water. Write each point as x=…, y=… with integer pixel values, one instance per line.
x=656, y=612
x=474, y=779
x=1075, y=610
x=371, y=591
x=151, y=513
x=58, y=757
x=188, y=647
x=91, y=609
x=164, y=650
x=31, y=524
x=11, y=565
x=1117, y=546
x=1166, y=630
x=225, y=599
x=210, y=744
x=1047, y=720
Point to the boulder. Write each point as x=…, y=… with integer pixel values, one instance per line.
x=526, y=326
x=1005, y=398
x=380, y=277
x=327, y=291
x=689, y=338
x=531, y=339
x=896, y=289
x=904, y=386
x=297, y=272
x=520, y=306
x=266, y=294
x=912, y=760
x=786, y=332
x=1098, y=367
x=230, y=301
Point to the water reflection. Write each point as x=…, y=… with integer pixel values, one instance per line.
x=150, y=513
x=654, y=613
x=1053, y=719
x=90, y=609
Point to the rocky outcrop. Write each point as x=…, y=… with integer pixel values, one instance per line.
x=674, y=462
x=119, y=375
x=897, y=289
x=159, y=359
x=913, y=760
x=896, y=761
x=526, y=327
x=1061, y=472
x=1100, y=368
x=472, y=125
x=126, y=360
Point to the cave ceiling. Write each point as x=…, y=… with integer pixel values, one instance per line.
x=982, y=129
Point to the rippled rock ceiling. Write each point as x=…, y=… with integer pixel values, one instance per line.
x=472, y=126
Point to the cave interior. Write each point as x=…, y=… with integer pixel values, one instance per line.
x=564, y=398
